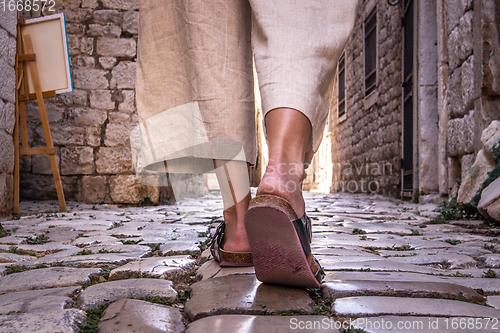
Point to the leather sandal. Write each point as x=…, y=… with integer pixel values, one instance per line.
x=228, y=258
x=280, y=243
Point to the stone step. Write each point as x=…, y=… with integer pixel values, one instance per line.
x=112, y=291
x=130, y=315
x=43, y=278
x=260, y=324
x=244, y=294
x=366, y=306
x=339, y=289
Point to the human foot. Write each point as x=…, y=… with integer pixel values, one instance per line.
x=284, y=179
x=235, y=236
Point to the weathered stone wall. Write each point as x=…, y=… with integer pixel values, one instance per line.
x=8, y=33
x=366, y=145
x=91, y=126
x=459, y=88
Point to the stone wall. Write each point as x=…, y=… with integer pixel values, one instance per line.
x=91, y=126
x=459, y=88
x=8, y=33
x=366, y=145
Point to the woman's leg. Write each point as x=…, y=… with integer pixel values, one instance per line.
x=288, y=133
x=234, y=182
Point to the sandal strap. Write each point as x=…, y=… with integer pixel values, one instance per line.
x=304, y=231
x=217, y=240
x=227, y=256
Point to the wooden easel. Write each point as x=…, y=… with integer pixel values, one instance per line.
x=22, y=96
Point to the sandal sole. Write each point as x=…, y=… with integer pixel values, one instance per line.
x=276, y=249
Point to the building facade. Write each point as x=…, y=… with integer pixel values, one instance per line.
x=416, y=86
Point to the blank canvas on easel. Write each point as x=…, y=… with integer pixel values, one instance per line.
x=48, y=35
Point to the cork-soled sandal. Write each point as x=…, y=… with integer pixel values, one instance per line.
x=280, y=243
x=227, y=258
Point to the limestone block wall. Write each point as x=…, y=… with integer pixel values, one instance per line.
x=91, y=126
x=460, y=131
x=366, y=146
x=8, y=33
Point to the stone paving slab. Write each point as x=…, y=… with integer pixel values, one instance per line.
x=488, y=286
x=493, y=301
x=377, y=265
x=365, y=306
x=445, y=261
x=212, y=269
x=243, y=294
x=474, y=272
x=43, y=248
x=468, y=251
x=338, y=259
x=338, y=289
x=337, y=252
x=86, y=241
x=130, y=315
x=112, y=291
x=11, y=257
x=385, y=324
x=260, y=324
x=179, y=246
x=53, y=277
x=491, y=260
x=170, y=268
x=121, y=248
x=99, y=259
x=37, y=300
x=40, y=304
x=66, y=321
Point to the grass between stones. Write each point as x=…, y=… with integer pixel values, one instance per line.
x=38, y=240
x=490, y=274
x=3, y=232
x=94, y=315
x=131, y=242
x=21, y=268
x=450, y=210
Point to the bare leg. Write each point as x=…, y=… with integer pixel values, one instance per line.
x=288, y=133
x=233, y=177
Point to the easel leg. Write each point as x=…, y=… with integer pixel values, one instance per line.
x=45, y=124
x=57, y=181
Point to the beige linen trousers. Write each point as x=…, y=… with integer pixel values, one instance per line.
x=195, y=88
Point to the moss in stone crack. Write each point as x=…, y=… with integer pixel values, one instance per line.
x=40, y=239
x=3, y=232
x=155, y=247
x=160, y=300
x=490, y=274
x=82, y=253
x=293, y=312
x=93, y=317
x=450, y=210
x=453, y=242
x=131, y=242
x=357, y=231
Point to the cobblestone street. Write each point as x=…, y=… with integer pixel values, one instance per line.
x=386, y=265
